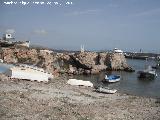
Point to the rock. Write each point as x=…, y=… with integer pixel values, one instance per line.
x=8, y=55
x=116, y=61
x=72, y=70
x=103, y=58
x=3, y=77
x=89, y=62
x=98, y=68
x=71, y=63
x=129, y=69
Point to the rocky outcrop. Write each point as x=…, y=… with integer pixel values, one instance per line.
x=116, y=61
x=71, y=63
x=45, y=60
x=84, y=60
x=87, y=62
x=13, y=55
x=8, y=55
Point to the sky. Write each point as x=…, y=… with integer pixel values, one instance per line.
x=129, y=25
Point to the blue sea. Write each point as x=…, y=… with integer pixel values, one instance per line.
x=130, y=83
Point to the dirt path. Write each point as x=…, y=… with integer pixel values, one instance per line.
x=25, y=100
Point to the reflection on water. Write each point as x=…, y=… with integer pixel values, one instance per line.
x=129, y=82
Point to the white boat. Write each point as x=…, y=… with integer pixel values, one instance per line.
x=112, y=78
x=106, y=90
x=79, y=82
x=27, y=72
x=157, y=66
x=147, y=73
x=116, y=50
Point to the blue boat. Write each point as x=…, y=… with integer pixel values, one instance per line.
x=112, y=78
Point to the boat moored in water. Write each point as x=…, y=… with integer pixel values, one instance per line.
x=157, y=66
x=112, y=78
x=147, y=73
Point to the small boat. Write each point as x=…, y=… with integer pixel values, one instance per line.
x=79, y=82
x=106, y=90
x=112, y=78
x=116, y=50
x=147, y=73
x=156, y=66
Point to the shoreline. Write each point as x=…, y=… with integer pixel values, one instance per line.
x=6, y=66
x=21, y=99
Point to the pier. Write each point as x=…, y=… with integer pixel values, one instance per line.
x=142, y=56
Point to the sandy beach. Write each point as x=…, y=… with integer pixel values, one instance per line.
x=55, y=100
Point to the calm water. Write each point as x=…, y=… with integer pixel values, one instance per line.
x=4, y=67
x=129, y=82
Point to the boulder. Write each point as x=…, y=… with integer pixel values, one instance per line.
x=116, y=61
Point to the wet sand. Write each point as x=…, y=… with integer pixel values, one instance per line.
x=55, y=100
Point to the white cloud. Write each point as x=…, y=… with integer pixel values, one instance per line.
x=88, y=12
x=40, y=32
x=147, y=12
x=11, y=31
x=113, y=5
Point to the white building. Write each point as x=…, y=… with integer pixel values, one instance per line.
x=7, y=36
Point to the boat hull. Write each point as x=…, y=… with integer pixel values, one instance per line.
x=112, y=81
x=146, y=75
x=106, y=90
x=79, y=82
x=142, y=74
x=112, y=78
x=26, y=72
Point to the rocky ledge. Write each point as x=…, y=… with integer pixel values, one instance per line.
x=71, y=63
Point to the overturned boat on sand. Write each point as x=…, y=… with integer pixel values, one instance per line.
x=26, y=72
x=79, y=82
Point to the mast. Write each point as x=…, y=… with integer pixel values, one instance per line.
x=82, y=48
